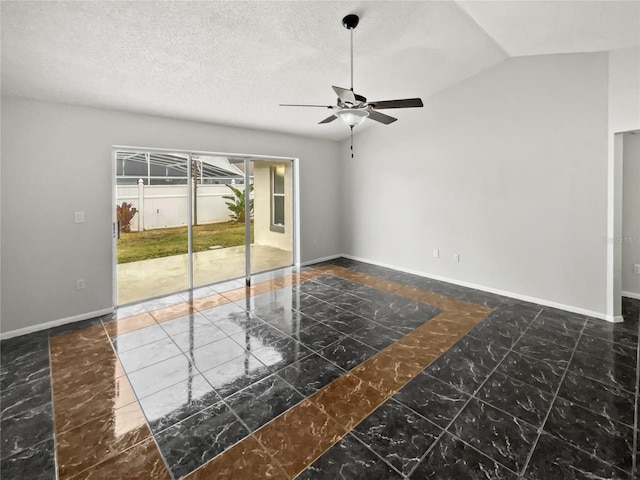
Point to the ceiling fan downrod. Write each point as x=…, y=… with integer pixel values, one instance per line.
x=350, y=22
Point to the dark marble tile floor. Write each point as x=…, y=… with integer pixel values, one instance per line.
x=26, y=417
x=529, y=393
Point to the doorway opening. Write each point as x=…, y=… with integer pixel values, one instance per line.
x=186, y=219
x=630, y=250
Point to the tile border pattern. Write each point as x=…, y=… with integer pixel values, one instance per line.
x=85, y=367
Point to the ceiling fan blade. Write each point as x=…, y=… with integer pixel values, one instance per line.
x=404, y=103
x=298, y=105
x=381, y=117
x=347, y=96
x=329, y=119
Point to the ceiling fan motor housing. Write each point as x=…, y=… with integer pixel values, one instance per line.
x=350, y=21
x=360, y=101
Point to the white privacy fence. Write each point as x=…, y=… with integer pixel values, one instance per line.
x=161, y=206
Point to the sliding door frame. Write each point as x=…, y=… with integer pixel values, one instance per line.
x=247, y=158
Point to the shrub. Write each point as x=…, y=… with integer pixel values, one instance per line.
x=236, y=203
x=126, y=212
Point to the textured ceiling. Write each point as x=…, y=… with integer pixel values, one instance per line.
x=233, y=62
x=546, y=27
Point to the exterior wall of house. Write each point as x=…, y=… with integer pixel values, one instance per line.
x=263, y=234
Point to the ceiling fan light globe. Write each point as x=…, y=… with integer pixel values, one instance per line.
x=352, y=116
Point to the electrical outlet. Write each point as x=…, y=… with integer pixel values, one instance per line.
x=636, y=268
x=80, y=284
x=79, y=217
x=436, y=253
x=456, y=257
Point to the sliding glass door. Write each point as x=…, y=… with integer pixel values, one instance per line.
x=219, y=240
x=189, y=219
x=152, y=215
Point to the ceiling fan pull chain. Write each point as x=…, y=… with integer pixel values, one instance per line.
x=351, y=141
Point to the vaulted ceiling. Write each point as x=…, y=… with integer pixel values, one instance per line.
x=233, y=62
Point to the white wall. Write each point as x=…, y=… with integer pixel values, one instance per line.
x=624, y=89
x=631, y=214
x=624, y=115
x=507, y=169
x=64, y=152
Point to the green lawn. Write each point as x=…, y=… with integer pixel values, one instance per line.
x=165, y=242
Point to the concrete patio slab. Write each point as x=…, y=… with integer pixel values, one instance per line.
x=160, y=276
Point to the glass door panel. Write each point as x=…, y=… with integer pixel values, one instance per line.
x=218, y=213
x=152, y=209
x=272, y=245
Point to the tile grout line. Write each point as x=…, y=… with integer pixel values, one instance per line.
x=553, y=402
x=368, y=447
x=471, y=397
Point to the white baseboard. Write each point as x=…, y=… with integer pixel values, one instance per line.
x=323, y=259
x=54, y=323
x=633, y=295
x=496, y=291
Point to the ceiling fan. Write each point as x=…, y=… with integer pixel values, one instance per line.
x=352, y=108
